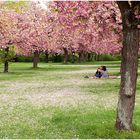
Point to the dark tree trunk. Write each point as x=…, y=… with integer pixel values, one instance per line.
x=46, y=57
x=90, y=56
x=65, y=55
x=94, y=57
x=85, y=56
x=73, y=58
x=97, y=57
x=81, y=56
x=35, y=59
x=6, y=64
x=129, y=67
x=79, y=59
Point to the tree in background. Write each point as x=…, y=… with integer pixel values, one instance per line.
x=6, y=55
x=88, y=27
x=8, y=36
x=33, y=34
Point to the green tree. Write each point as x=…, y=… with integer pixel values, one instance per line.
x=6, y=55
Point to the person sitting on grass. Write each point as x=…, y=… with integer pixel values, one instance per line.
x=98, y=73
x=104, y=72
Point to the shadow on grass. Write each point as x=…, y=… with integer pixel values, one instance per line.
x=17, y=75
x=54, y=68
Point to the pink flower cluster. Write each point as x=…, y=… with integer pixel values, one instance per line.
x=88, y=26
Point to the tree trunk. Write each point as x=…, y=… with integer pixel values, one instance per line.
x=35, y=59
x=65, y=55
x=90, y=57
x=129, y=67
x=46, y=57
x=73, y=58
x=6, y=64
x=85, y=56
x=94, y=57
x=97, y=57
x=81, y=56
x=79, y=59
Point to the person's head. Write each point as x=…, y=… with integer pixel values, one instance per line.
x=103, y=68
x=98, y=69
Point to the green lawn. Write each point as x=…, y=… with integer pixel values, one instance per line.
x=55, y=101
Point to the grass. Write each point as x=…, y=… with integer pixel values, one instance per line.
x=55, y=101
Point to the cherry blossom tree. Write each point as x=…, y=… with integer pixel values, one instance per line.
x=33, y=33
x=8, y=35
x=85, y=28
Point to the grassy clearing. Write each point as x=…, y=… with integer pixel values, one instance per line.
x=55, y=101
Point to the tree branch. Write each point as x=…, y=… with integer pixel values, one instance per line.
x=134, y=4
x=123, y=5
